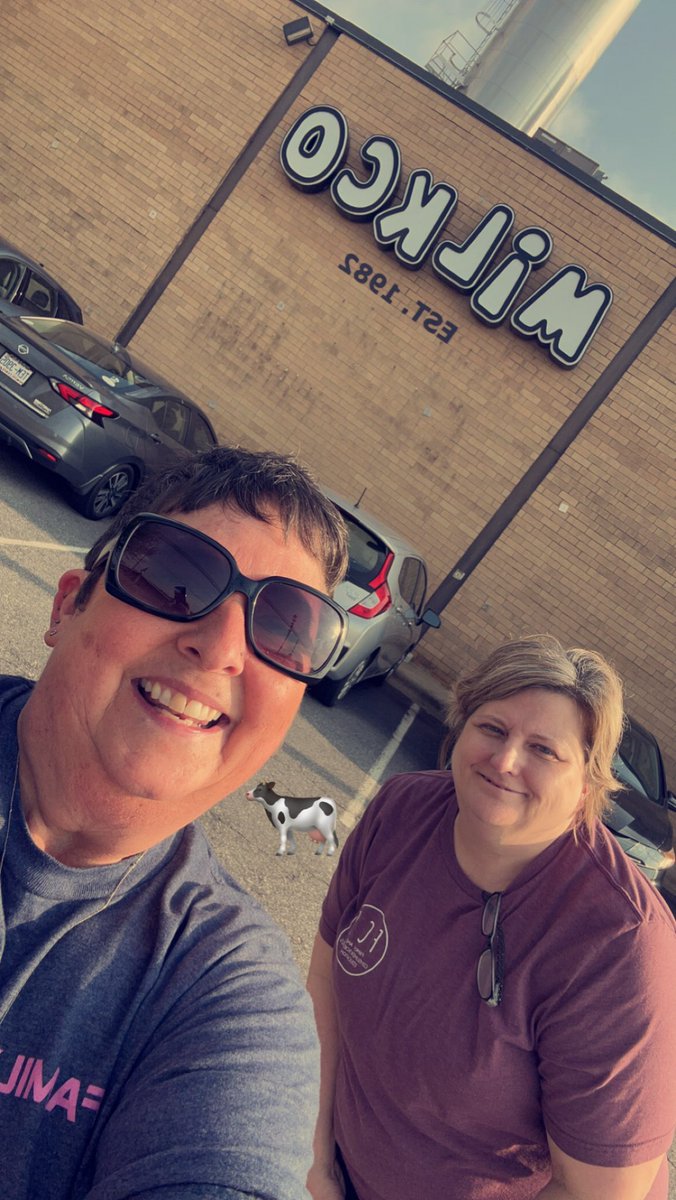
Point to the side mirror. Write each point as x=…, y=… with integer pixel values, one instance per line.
x=429, y=617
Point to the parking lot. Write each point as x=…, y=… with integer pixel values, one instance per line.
x=342, y=752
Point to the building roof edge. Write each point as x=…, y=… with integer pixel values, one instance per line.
x=539, y=149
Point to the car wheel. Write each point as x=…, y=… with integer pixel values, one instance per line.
x=332, y=691
x=109, y=494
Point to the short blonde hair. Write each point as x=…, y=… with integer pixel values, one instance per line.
x=540, y=661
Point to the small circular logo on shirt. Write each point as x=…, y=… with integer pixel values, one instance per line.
x=362, y=946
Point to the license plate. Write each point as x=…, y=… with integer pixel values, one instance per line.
x=9, y=365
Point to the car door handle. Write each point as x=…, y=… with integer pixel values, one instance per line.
x=154, y=438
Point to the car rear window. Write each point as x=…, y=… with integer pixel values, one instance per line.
x=111, y=362
x=367, y=553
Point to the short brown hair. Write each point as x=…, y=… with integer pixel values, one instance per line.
x=259, y=483
x=540, y=661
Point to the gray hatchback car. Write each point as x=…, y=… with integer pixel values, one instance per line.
x=384, y=596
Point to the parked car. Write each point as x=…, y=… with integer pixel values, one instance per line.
x=24, y=282
x=640, y=816
x=89, y=410
x=384, y=595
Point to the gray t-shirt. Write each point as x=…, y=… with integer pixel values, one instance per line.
x=162, y=1046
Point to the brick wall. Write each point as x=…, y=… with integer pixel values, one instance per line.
x=119, y=121
x=285, y=349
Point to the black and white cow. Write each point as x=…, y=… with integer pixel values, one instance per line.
x=306, y=813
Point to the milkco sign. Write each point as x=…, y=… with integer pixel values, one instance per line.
x=563, y=314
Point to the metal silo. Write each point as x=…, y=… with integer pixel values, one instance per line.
x=532, y=59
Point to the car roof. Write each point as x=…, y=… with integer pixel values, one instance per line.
x=632, y=723
x=7, y=248
x=11, y=251
x=394, y=540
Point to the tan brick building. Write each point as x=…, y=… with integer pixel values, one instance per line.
x=141, y=161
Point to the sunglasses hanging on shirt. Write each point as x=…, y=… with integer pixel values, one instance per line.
x=490, y=967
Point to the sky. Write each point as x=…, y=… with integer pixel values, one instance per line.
x=622, y=115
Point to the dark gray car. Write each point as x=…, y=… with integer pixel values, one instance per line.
x=384, y=596
x=24, y=282
x=642, y=815
x=89, y=410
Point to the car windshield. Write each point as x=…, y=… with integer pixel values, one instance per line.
x=625, y=775
x=110, y=362
x=639, y=757
x=367, y=553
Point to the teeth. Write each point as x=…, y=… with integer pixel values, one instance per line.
x=179, y=705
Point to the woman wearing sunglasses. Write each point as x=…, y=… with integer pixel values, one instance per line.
x=154, y=1035
x=493, y=979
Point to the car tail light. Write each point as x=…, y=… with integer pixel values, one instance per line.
x=380, y=598
x=83, y=403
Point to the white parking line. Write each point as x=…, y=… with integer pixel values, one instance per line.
x=44, y=546
x=372, y=780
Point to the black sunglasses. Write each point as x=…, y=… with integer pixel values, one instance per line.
x=490, y=967
x=172, y=571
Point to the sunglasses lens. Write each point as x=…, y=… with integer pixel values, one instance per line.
x=294, y=628
x=171, y=570
x=489, y=917
x=485, y=974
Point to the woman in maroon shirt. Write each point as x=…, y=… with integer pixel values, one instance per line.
x=489, y=973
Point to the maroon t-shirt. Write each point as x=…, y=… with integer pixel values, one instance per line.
x=442, y=1097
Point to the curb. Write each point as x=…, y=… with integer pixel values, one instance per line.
x=420, y=686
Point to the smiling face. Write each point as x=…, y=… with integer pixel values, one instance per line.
x=170, y=715
x=519, y=768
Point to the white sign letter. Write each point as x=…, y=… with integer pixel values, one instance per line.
x=361, y=201
x=314, y=148
x=413, y=226
x=494, y=297
x=463, y=265
x=564, y=314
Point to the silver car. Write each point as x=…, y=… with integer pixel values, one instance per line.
x=384, y=596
